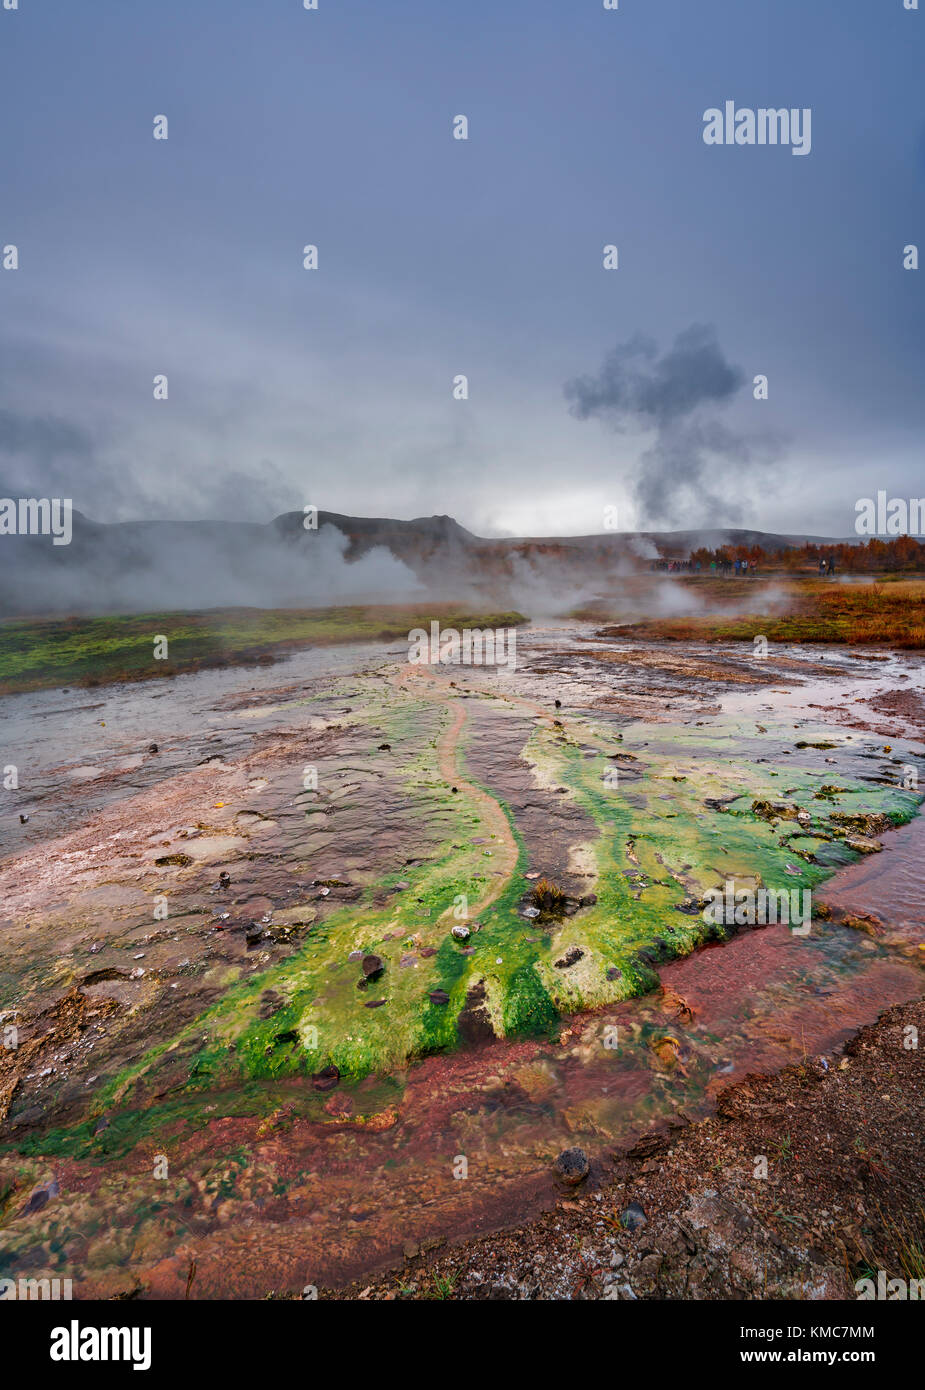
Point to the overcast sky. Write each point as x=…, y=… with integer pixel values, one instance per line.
x=588, y=388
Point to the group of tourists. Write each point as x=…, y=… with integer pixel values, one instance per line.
x=732, y=567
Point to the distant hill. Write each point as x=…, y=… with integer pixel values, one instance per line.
x=139, y=566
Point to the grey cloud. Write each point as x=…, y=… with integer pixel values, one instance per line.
x=45, y=436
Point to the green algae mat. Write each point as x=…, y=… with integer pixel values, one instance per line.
x=455, y=948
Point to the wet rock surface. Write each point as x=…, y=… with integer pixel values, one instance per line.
x=838, y=1194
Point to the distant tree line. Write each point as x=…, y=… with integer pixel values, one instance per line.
x=902, y=554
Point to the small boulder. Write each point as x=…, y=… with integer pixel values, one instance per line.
x=634, y=1218
x=573, y=1166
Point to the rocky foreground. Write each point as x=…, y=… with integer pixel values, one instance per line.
x=800, y=1184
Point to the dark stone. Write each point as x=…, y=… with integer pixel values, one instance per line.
x=374, y=1004
x=41, y=1197
x=326, y=1079
x=373, y=967
x=573, y=1165
x=634, y=1217
x=439, y=996
x=614, y=973
x=690, y=909
x=571, y=957
x=385, y=748
x=152, y=748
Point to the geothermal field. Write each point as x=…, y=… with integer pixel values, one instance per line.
x=462, y=682
x=377, y=976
